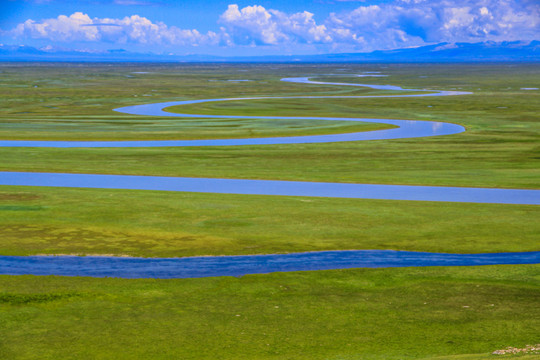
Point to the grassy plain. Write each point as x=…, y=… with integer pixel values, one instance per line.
x=165, y=224
x=75, y=101
x=498, y=150
x=350, y=314
x=414, y=313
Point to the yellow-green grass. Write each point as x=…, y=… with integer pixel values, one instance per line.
x=123, y=128
x=407, y=313
x=41, y=220
x=499, y=149
x=472, y=159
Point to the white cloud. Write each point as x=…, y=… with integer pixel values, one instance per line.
x=132, y=29
x=255, y=24
x=375, y=27
x=491, y=20
x=416, y=22
x=401, y=23
x=252, y=23
x=62, y=28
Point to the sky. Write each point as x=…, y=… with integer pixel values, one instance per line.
x=263, y=27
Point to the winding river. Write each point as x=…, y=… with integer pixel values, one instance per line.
x=404, y=128
x=205, y=266
x=241, y=265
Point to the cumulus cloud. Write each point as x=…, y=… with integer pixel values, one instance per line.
x=417, y=22
x=397, y=24
x=402, y=23
x=130, y=29
x=495, y=20
x=257, y=25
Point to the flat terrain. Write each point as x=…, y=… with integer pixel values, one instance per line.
x=415, y=313
x=165, y=224
x=353, y=314
x=75, y=101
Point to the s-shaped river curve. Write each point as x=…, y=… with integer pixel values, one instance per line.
x=240, y=265
x=404, y=129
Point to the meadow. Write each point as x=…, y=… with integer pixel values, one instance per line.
x=416, y=313
x=411, y=313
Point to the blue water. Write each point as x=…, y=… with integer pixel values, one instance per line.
x=404, y=128
x=254, y=264
x=274, y=187
x=207, y=266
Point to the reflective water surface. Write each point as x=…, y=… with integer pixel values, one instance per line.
x=275, y=187
x=254, y=264
x=405, y=128
x=207, y=266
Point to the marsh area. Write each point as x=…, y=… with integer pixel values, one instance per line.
x=370, y=313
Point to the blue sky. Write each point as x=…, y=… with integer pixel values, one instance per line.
x=228, y=27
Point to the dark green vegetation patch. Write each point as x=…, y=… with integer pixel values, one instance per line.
x=27, y=299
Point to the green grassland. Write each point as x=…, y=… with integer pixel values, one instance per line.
x=170, y=224
x=410, y=313
x=499, y=149
x=414, y=313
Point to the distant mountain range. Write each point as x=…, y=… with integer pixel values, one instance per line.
x=443, y=52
